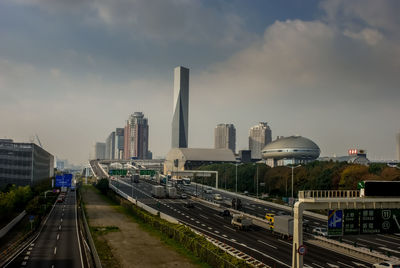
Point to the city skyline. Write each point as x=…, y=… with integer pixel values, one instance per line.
x=327, y=70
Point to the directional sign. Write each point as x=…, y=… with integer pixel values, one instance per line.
x=369, y=223
x=118, y=172
x=63, y=180
x=351, y=222
x=335, y=220
x=148, y=172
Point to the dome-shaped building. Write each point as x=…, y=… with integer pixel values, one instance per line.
x=288, y=150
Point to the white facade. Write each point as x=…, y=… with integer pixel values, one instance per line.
x=259, y=136
x=180, y=120
x=225, y=137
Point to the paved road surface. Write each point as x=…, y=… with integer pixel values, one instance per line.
x=58, y=245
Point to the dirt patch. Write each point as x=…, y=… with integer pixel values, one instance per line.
x=130, y=245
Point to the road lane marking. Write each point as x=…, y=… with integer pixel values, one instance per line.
x=388, y=249
x=317, y=265
x=390, y=242
x=59, y=227
x=216, y=232
x=369, y=241
x=30, y=248
x=285, y=242
x=267, y=244
x=55, y=250
x=203, y=224
x=28, y=253
x=209, y=228
x=345, y=264
x=58, y=237
x=224, y=235
x=26, y=258
x=61, y=220
x=229, y=228
x=203, y=216
x=233, y=240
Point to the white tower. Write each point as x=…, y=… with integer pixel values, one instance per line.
x=180, y=122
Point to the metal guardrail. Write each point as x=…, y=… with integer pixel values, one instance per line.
x=96, y=258
x=329, y=194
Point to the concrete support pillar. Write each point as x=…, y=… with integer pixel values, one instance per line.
x=297, y=259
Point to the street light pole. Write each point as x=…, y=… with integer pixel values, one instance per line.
x=236, y=176
x=257, y=180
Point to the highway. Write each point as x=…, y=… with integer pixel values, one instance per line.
x=258, y=243
x=58, y=244
x=380, y=243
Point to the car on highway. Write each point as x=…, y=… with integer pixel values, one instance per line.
x=196, y=193
x=208, y=191
x=184, y=196
x=224, y=213
x=246, y=193
x=60, y=199
x=322, y=231
x=386, y=264
x=188, y=204
x=217, y=197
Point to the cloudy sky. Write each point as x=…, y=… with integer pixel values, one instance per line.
x=73, y=70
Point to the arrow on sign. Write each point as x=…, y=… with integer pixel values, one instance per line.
x=395, y=219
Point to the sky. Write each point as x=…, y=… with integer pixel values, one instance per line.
x=71, y=71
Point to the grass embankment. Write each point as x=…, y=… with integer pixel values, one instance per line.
x=104, y=250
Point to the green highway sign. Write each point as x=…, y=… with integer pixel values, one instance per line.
x=117, y=172
x=360, y=185
x=351, y=222
x=148, y=172
x=371, y=221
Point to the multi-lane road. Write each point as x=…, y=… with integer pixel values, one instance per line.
x=379, y=243
x=58, y=243
x=258, y=243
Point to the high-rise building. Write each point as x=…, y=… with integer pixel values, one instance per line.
x=398, y=145
x=110, y=146
x=100, y=150
x=180, y=122
x=119, y=144
x=136, y=137
x=259, y=136
x=225, y=137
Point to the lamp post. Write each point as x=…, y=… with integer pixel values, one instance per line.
x=293, y=167
x=236, y=177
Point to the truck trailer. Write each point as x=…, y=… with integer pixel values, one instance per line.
x=171, y=192
x=158, y=191
x=283, y=226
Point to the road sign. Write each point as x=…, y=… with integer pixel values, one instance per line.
x=302, y=250
x=117, y=172
x=360, y=185
x=351, y=222
x=31, y=218
x=148, y=172
x=335, y=220
x=369, y=223
x=63, y=180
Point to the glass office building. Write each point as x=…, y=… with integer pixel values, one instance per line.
x=24, y=163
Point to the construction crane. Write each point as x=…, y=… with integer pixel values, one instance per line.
x=37, y=137
x=32, y=140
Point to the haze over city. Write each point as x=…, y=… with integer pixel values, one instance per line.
x=73, y=71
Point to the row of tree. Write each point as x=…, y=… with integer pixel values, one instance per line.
x=312, y=176
x=14, y=199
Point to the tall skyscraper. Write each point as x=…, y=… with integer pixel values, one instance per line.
x=259, y=136
x=398, y=145
x=225, y=137
x=119, y=144
x=99, y=150
x=136, y=138
x=110, y=146
x=180, y=122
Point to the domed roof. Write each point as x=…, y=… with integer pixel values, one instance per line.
x=293, y=147
x=291, y=142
